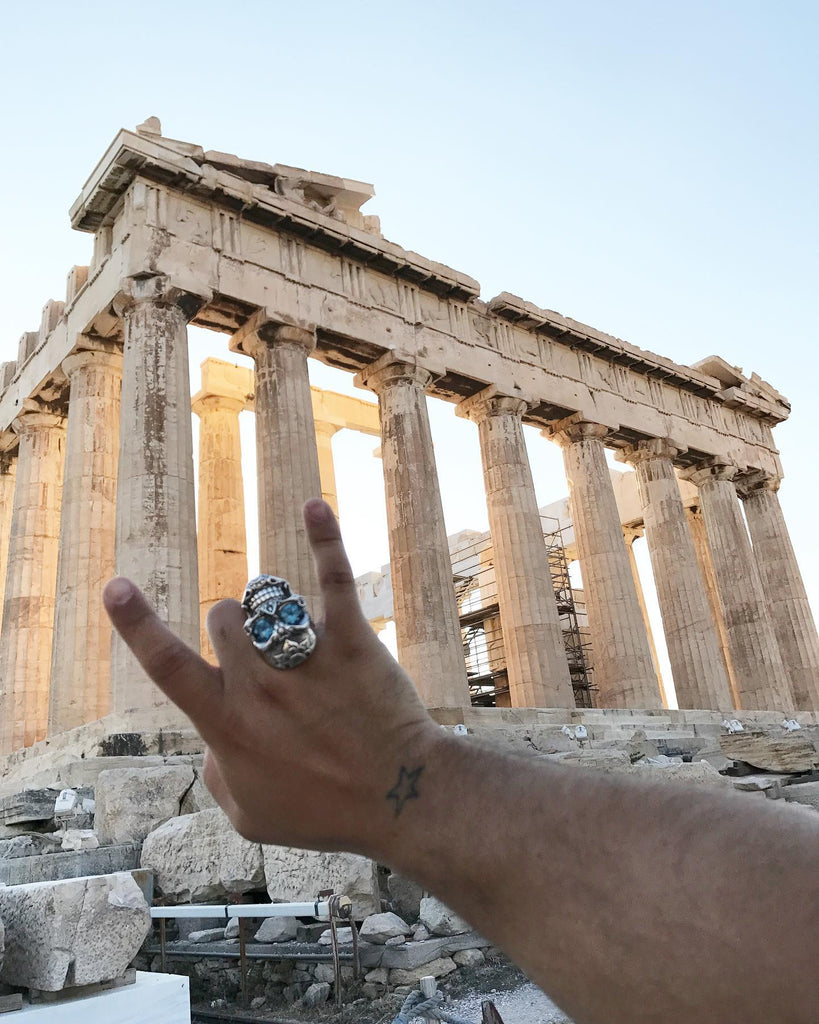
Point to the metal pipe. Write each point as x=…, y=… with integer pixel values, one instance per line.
x=318, y=908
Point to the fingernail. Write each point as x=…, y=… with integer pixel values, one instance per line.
x=317, y=511
x=119, y=590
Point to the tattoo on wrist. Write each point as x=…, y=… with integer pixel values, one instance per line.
x=406, y=788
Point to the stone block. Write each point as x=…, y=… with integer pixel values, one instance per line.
x=414, y=954
x=35, y=805
x=293, y=875
x=77, y=839
x=30, y=844
x=201, y=857
x=469, y=958
x=343, y=935
x=277, y=929
x=383, y=927
x=132, y=802
x=789, y=752
x=436, y=968
x=207, y=935
x=51, y=867
x=806, y=793
x=198, y=797
x=71, y=933
x=316, y=994
x=439, y=919
x=405, y=896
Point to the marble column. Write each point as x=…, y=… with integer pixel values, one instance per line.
x=696, y=526
x=426, y=615
x=785, y=592
x=629, y=536
x=222, y=536
x=623, y=671
x=761, y=681
x=8, y=475
x=327, y=471
x=156, y=518
x=31, y=578
x=286, y=457
x=536, y=662
x=81, y=654
x=693, y=646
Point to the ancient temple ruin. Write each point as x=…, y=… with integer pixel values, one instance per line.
x=97, y=463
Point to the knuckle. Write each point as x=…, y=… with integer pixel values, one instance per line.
x=169, y=662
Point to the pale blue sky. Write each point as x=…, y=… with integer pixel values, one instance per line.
x=648, y=168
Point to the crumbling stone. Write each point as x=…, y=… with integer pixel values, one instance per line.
x=207, y=935
x=469, y=958
x=201, y=857
x=316, y=994
x=405, y=896
x=384, y=927
x=293, y=875
x=75, y=839
x=74, y=932
x=133, y=802
x=277, y=929
x=436, y=968
x=439, y=919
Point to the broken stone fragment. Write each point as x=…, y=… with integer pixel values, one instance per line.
x=436, y=968
x=79, y=839
x=469, y=958
x=132, y=802
x=294, y=875
x=201, y=857
x=316, y=994
x=207, y=935
x=439, y=919
x=344, y=936
x=277, y=929
x=73, y=932
x=383, y=927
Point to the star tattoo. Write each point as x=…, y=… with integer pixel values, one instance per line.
x=405, y=789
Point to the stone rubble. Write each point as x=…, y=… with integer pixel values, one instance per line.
x=75, y=932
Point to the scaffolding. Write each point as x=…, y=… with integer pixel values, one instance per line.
x=476, y=591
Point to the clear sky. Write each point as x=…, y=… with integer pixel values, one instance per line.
x=647, y=168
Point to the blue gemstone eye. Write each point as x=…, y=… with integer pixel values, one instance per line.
x=292, y=614
x=262, y=630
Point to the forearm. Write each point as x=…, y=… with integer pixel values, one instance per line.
x=625, y=901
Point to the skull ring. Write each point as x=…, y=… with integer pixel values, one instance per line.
x=278, y=622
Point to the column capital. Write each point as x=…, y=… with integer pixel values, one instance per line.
x=756, y=481
x=157, y=289
x=262, y=331
x=204, y=401
x=632, y=533
x=102, y=354
x=391, y=369
x=712, y=469
x=576, y=428
x=651, y=448
x=34, y=416
x=490, y=402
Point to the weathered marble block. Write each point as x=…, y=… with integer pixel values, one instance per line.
x=74, y=932
x=132, y=802
x=293, y=875
x=200, y=857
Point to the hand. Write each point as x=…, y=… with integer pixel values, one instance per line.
x=304, y=757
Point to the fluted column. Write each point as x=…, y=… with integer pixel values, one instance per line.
x=222, y=536
x=785, y=592
x=31, y=578
x=327, y=471
x=536, y=662
x=286, y=457
x=629, y=536
x=693, y=646
x=156, y=517
x=8, y=475
x=426, y=615
x=81, y=654
x=623, y=670
x=759, y=673
x=696, y=525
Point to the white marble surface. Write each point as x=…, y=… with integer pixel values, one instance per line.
x=153, y=999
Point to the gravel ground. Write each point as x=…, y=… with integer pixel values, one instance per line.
x=523, y=1005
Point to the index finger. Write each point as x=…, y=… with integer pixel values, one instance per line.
x=182, y=675
x=336, y=580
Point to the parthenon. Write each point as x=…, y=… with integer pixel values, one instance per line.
x=97, y=469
